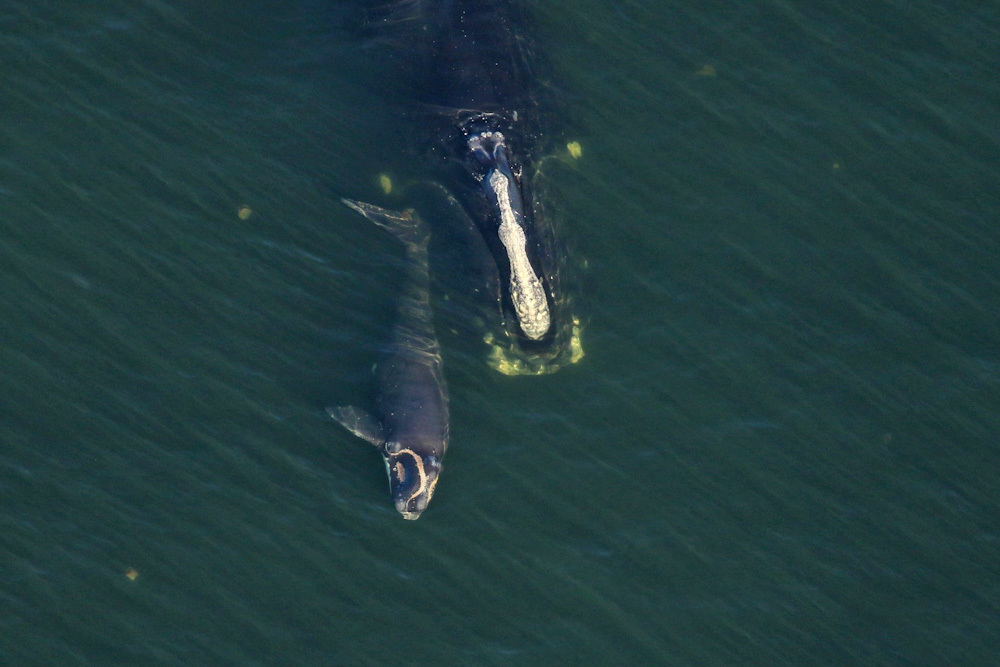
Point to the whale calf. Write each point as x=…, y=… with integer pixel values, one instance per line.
x=409, y=425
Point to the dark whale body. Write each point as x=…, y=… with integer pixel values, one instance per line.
x=476, y=106
x=410, y=425
x=474, y=102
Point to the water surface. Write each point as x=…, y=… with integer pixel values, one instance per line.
x=780, y=447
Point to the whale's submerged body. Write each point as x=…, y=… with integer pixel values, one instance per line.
x=477, y=110
x=409, y=426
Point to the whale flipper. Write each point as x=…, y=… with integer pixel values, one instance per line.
x=358, y=422
x=404, y=225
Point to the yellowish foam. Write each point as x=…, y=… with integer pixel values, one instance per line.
x=503, y=360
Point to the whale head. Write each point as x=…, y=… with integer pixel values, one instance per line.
x=502, y=189
x=412, y=478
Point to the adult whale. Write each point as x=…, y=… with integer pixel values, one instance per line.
x=410, y=424
x=479, y=110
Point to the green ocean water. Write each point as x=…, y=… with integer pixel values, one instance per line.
x=781, y=446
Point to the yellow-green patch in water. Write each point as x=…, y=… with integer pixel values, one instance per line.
x=508, y=361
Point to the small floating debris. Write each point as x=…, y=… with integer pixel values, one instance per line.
x=836, y=166
x=244, y=212
x=385, y=183
x=575, y=150
x=576, y=344
x=132, y=574
x=707, y=70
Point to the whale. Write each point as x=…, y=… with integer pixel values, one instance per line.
x=477, y=111
x=409, y=423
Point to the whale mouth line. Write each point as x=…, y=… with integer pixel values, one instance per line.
x=412, y=485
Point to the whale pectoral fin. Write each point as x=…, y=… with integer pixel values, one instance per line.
x=404, y=225
x=358, y=422
x=383, y=217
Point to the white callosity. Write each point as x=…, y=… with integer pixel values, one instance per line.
x=526, y=289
